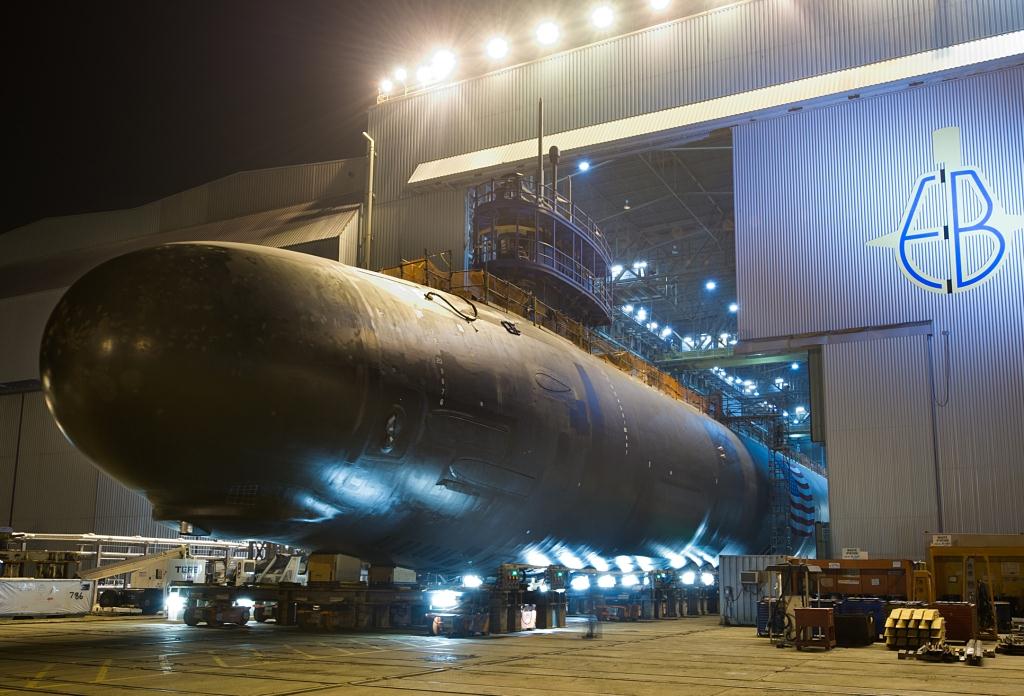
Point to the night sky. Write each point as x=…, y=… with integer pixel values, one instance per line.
x=115, y=104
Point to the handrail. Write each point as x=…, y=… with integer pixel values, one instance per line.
x=549, y=200
x=482, y=286
x=549, y=256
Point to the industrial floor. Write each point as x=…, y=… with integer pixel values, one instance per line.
x=684, y=656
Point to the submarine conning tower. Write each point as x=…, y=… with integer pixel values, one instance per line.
x=540, y=240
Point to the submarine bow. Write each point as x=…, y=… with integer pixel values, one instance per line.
x=268, y=394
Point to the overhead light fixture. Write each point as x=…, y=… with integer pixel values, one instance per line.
x=666, y=332
x=710, y=285
x=547, y=33
x=630, y=580
x=584, y=166
x=628, y=309
x=626, y=205
x=616, y=270
x=386, y=86
x=602, y=16
x=794, y=366
x=401, y=74
x=653, y=326
x=472, y=581
x=689, y=577
x=734, y=308
x=641, y=314
x=707, y=578
x=497, y=48
x=659, y=4
x=442, y=64
x=606, y=581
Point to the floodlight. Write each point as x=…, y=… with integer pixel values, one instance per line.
x=602, y=16
x=442, y=64
x=547, y=33
x=497, y=48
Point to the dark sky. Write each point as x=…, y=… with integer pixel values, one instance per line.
x=116, y=103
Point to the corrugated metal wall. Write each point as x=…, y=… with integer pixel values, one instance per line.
x=10, y=426
x=738, y=602
x=811, y=189
x=735, y=49
x=879, y=441
x=56, y=489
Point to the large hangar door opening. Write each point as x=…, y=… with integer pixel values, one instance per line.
x=879, y=427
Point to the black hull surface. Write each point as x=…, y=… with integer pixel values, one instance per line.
x=267, y=394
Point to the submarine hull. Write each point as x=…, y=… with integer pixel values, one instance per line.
x=267, y=394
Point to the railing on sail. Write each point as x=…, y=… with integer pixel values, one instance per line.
x=484, y=287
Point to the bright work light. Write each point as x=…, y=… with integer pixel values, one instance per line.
x=547, y=33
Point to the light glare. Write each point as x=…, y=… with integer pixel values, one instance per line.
x=707, y=578
x=659, y=4
x=584, y=166
x=689, y=577
x=710, y=285
x=536, y=558
x=424, y=75
x=472, y=581
x=442, y=64
x=569, y=559
x=497, y=48
x=386, y=86
x=401, y=74
x=444, y=599
x=734, y=308
x=602, y=16
x=606, y=581
x=580, y=583
x=547, y=33
x=629, y=580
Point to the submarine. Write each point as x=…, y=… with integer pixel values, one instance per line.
x=267, y=394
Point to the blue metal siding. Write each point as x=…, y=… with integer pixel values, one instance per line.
x=734, y=49
x=811, y=189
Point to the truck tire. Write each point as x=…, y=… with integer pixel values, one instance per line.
x=190, y=618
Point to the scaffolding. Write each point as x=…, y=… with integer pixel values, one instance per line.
x=481, y=286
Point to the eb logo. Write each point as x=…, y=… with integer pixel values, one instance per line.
x=954, y=232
